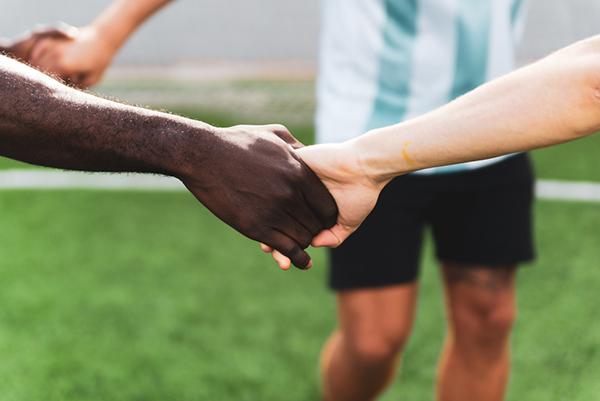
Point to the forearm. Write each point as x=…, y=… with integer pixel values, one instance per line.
x=46, y=123
x=549, y=102
x=123, y=17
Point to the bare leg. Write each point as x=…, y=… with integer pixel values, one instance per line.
x=481, y=309
x=360, y=358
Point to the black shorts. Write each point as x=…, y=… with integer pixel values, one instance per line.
x=480, y=217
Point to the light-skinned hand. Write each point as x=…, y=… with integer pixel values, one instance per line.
x=80, y=58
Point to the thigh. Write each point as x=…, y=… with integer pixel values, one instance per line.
x=485, y=217
x=385, y=250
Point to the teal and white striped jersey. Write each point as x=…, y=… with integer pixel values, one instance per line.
x=385, y=61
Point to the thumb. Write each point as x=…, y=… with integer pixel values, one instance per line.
x=333, y=237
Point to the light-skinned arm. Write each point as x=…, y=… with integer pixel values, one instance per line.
x=248, y=176
x=552, y=101
x=82, y=56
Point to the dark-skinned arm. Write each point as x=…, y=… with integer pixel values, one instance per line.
x=248, y=176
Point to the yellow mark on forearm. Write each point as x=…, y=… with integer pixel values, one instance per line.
x=406, y=154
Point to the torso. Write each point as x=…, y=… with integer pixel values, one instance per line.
x=384, y=61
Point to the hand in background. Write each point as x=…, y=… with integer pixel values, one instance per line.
x=354, y=192
x=79, y=58
x=22, y=47
x=253, y=180
x=82, y=59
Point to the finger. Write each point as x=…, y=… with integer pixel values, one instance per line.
x=303, y=215
x=266, y=248
x=282, y=132
x=283, y=262
x=291, y=227
x=288, y=247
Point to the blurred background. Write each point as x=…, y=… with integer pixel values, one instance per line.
x=143, y=295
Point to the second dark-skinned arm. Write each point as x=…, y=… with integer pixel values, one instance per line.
x=249, y=176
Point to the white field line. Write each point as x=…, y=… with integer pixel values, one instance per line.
x=51, y=179
x=55, y=179
x=568, y=190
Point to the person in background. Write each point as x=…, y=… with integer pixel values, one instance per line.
x=381, y=63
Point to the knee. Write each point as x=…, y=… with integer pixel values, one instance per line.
x=484, y=325
x=375, y=349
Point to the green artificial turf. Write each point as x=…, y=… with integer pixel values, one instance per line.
x=141, y=296
x=146, y=296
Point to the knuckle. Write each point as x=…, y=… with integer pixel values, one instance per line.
x=279, y=127
x=258, y=233
x=287, y=197
x=288, y=249
x=305, y=242
x=315, y=226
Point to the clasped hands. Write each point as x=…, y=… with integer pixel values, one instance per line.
x=285, y=195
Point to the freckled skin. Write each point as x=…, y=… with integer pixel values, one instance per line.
x=248, y=176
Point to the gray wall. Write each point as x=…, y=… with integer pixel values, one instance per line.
x=552, y=24
x=242, y=30
x=192, y=29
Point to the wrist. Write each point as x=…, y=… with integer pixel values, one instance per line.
x=189, y=143
x=120, y=20
x=108, y=40
x=371, y=160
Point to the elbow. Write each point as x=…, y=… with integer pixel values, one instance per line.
x=589, y=60
x=580, y=64
x=584, y=67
